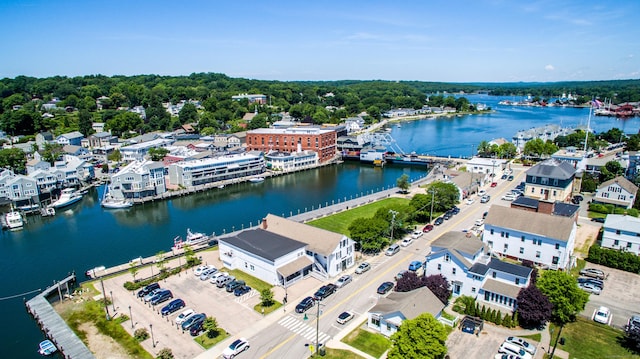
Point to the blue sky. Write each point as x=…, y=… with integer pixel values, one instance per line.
x=450, y=41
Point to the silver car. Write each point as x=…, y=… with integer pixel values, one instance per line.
x=590, y=288
x=592, y=272
x=528, y=347
x=344, y=280
x=363, y=267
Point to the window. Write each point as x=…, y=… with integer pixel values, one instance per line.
x=555, y=260
x=506, y=246
x=491, y=230
x=490, y=243
x=517, y=281
x=473, y=289
x=557, y=245
x=252, y=268
x=532, y=190
x=502, y=234
x=628, y=244
x=544, y=181
x=446, y=257
x=453, y=271
x=533, y=179
x=439, y=266
x=616, y=242
x=521, y=250
x=539, y=242
x=506, y=234
x=554, y=193
x=537, y=254
x=617, y=231
x=493, y=274
x=522, y=238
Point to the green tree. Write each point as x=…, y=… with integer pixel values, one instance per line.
x=368, y=233
x=563, y=292
x=611, y=170
x=422, y=337
x=188, y=114
x=51, y=152
x=85, y=123
x=161, y=261
x=158, y=153
x=403, y=183
x=123, y=123
x=133, y=269
x=258, y=121
x=484, y=149
x=266, y=297
x=165, y=353
x=115, y=156
x=14, y=159
x=211, y=326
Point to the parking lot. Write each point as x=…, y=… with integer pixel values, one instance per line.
x=619, y=295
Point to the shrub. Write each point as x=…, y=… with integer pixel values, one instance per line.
x=141, y=334
x=633, y=212
x=165, y=353
x=612, y=258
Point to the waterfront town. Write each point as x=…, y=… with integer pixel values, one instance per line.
x=510, y=223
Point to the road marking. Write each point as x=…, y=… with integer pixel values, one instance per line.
x=302, y=329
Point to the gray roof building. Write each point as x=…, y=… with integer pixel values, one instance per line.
x=263, y=244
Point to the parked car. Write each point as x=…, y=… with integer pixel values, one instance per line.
x=393, y=249
x=151, y=294
x=243, y=289
x=578, y=198
x=197, y=328
x=485, y=199
x=237, y=347
x=494, y=184
x=344, y=280
x=504, y=177
x=192, y=319
x=470, y=201
x=592, y=272
x=481, y=193
x=595, y=281
x=479, y=222
x=598, y=219
x=513, y=349
x=438, y=221
x=324, y=291
x=471, y=324
x=344, y=317
x=590, y=288
x=416, y=234
x=148, y=289
x=231, y=286
x=509, y=197
x=224, y=280
x=415, y=266
x=214, y=277
x=633, y=324
x=400, y=274
x=406, y=241
x=173, y=306
x=363, y=267
x=528, y=347
x=510, y=178
x=602, y=315
x=207, y=273
x=428, y=228
x=384, y=288
x=506, y=356
x=455, y=210
x=160, y=297
x=199, y=269
x=305, y=304
x=447, y=216
x=184, y=315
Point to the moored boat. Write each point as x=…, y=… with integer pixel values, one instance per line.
x=192, y=238
x=68, y=196
x=110, y=202
x=46, y=347
x=14, y=220
x=256, y=179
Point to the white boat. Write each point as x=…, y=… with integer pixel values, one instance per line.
x=110, y=202
x=46, y=347
x=95, y=272
x=256, y=179
x=68, y=196
x=47, y=212
x=14, y=220
x=193, y=238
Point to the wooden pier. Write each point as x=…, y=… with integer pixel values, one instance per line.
x=54, y=327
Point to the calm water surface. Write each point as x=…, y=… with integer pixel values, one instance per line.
x=86, y=235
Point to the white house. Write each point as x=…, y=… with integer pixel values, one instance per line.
x=291, y=161
x=330, y=252
x=621, y=232
x=17, y=187
x=551, y=180
x=489, y=166
x=138, y=179
x=544, y=239
x=71, y=138
x=265, y=255
x=618, y=191
x=221, y=168
x=136, y=152
x=463, y=260
x=390, y=311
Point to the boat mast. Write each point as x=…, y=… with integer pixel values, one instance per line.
x=586, y=135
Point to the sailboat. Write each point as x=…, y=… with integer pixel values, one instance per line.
x=109, y=202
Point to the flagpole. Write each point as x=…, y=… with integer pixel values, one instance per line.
x=586, y=136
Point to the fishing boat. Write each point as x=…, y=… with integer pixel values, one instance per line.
x=68, y=196
x=93, y=272
x=192, y=239
x=46, y=347
x=14, y=220
x=110, y=202
x=256, y=179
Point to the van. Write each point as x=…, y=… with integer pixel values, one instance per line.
x=222, y=281
x=513, y=349
x=393, y=249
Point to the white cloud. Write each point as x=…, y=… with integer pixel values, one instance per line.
x=549, y=68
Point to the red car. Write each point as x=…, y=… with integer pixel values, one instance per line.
x=427, y=228
x=493, y=184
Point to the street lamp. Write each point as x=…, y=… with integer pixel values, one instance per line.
x=493, y=171
x=113, y=302
x=130, y=317
x=433, y=194
x=393, y=220
x=152, y=340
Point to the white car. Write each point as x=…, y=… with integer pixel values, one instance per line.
x=199, y=269
x=479, y=222
x=470, y=201
x=515, y=350
x=344, y=280
x=528, y=347
x=344, y=317
x=214, y=277
x=207, y=273
x=509, y=197
x=481, y=193
x=184, y=315
x=417, y=234
x=602, y=315
x=406, y=242
x=237, y=347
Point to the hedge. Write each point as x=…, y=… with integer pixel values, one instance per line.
x=613, y=258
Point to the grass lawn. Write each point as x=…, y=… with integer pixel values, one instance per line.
x=368, y=342
x=341, y=221
x=339, y=354
x=585, y=339
x=207, y=342
x=251, y=281
x=535, y=337
x=258, y=308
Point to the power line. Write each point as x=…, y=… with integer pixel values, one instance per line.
x=20, y=295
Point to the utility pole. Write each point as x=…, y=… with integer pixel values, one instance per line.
x=433, y=194
x=317, y=328
x=104, y=297
x=393, y=221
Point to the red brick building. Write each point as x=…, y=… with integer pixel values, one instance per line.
x=315, y=139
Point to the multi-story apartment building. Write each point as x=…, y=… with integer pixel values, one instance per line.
x=138, y=179
x=321, y=141
x=551, y=180
x=222, y=168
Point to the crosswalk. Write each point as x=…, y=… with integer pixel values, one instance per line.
x=303, y=329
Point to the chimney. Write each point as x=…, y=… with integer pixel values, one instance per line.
x=264, y=223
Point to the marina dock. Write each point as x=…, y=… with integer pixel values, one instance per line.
x=53, y=325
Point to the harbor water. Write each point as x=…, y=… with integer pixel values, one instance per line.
x=85, y=235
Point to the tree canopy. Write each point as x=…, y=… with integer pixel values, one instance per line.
x=563, y=292
x=534, y=308
x=419, y=338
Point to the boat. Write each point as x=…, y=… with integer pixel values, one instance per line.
x=192, y=239
x=14, y=220
x=92, y=273
x=47, y=211
x=46, y=347
x=372, y=154
x=256, y=179
x=110, y=202
x=68, y=196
